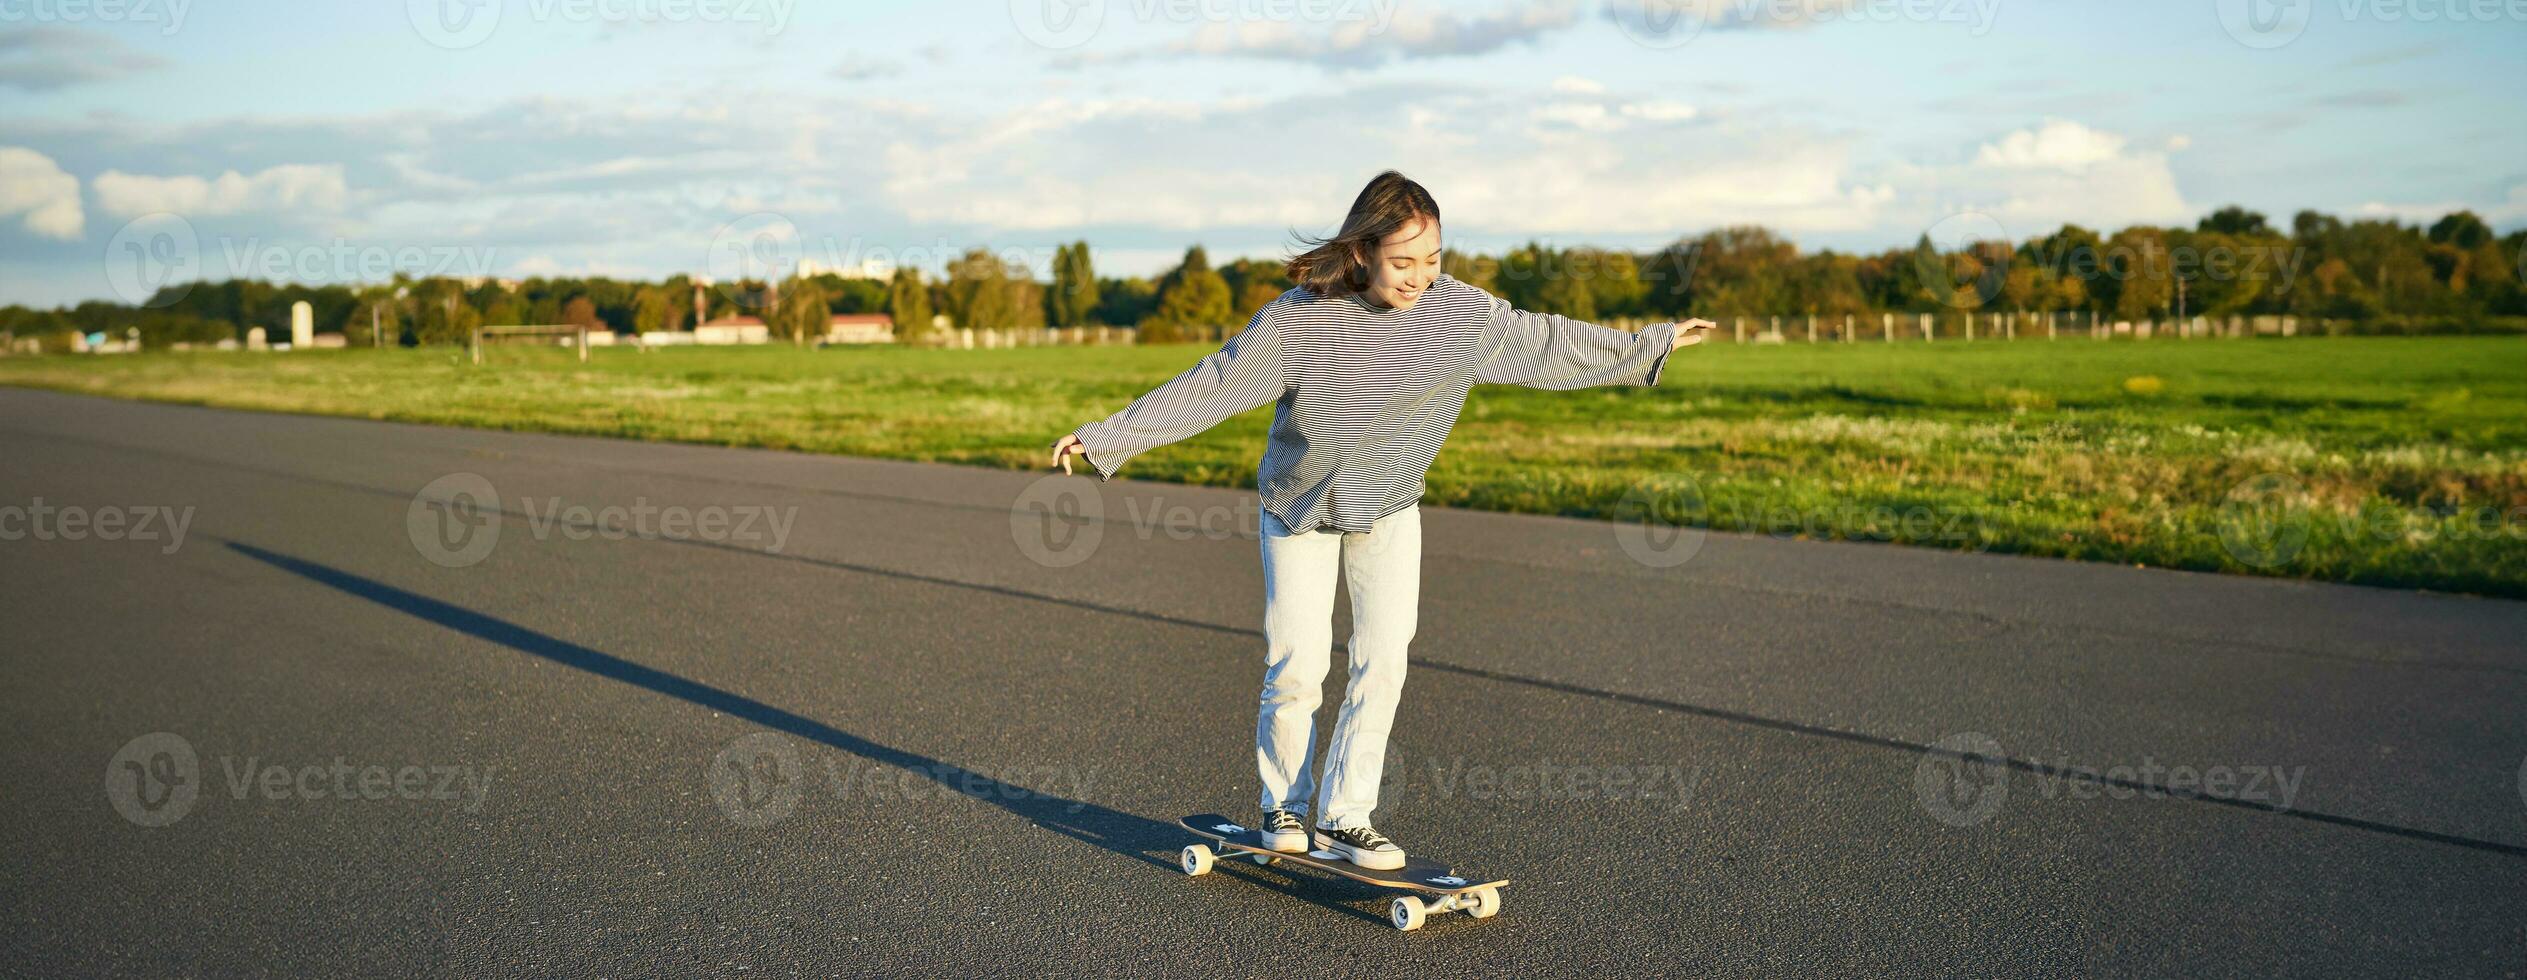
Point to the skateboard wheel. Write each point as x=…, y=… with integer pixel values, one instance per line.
x=1261, y=858
x=1405, y=912
x=1196, y=860
x=1483, y=903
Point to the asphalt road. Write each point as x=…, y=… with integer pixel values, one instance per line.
x=838, y=716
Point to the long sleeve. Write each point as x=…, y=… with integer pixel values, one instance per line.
x=1244, y=373
x=1545, y=350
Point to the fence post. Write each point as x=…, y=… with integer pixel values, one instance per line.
x=1811, y=328
x=1889, y=324
x=1969, y=326
x=1740, y=331
x=1846, y=328
x=1926, y=325
x=2048, y=324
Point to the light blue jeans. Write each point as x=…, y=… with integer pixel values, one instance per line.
x=1383, y=569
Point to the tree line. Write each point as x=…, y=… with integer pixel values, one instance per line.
x=2453, y=273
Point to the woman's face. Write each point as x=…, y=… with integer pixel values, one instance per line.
x=1406, y=263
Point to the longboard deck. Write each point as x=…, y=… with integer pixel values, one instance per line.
x=1417, y=874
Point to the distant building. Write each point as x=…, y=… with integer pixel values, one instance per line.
x=860, y=328
x=733, y=330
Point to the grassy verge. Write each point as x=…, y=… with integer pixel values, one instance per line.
x=2387, y=461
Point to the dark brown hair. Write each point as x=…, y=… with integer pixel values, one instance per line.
x=1340, y=264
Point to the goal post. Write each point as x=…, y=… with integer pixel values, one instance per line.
x=572, y=334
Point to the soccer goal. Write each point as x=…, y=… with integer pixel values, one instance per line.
x=567, y=335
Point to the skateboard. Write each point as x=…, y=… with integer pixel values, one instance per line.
x=1456, y=893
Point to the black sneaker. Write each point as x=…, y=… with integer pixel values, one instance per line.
x=1362, y=846
x=1284, y=830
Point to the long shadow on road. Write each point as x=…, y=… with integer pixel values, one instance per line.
x=1122, y=833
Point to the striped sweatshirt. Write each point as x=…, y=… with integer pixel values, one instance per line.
x=1363, y=397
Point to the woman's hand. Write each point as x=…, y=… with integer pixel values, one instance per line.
x=1691, y=332
x=1068, y=447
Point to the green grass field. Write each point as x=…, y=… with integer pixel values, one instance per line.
x=2387, y=461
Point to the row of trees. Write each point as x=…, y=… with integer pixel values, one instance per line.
x=2233, y=262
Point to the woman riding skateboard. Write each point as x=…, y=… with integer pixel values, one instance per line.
x=1367, y=362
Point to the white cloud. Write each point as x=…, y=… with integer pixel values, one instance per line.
x=33, y=186
x=295, y=187
x=2058, y=145
x=2500, y=214
x=1414, y=31
x=1577, y=166
x=1575, y=85
x=2035, y=180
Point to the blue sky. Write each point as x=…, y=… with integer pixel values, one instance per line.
x=334, y=142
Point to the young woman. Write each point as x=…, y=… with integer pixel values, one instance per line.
x=1367, y=362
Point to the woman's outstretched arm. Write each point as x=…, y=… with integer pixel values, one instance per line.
x=1547, y=350
x=1244, y=373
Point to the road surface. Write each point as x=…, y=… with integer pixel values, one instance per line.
x=404, y=700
